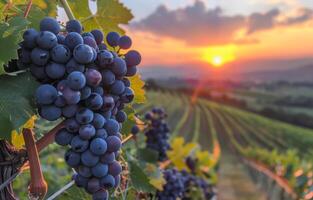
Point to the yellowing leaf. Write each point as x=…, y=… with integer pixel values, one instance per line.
x=179, y=152
x=205, y=160
x=137, y=85
x=156, y=178
x=17, y=139
x=158, y=183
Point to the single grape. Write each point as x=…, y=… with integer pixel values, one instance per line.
x=104, y=58
x=131, y=71
x=86, y=132
x=113, y=143
x=83, y=54
x=55, y=70
x=98, y=121
x=85, y=93
x=93, y=185
x=117, y=87
x=73, y=26
x=100, y=195
x=50, y=24
x=73, y=39
x=46, y=40
x=39, y=56
x=84, y=171
x=46, y=94
x=63, y=137
x=108, y=103
x=72, y=125
x=72, y=158
x=93, y=77
x=121, y=116
x=71, y=96
x=94, y=102
x=76, y=80
x=50, y=112
x=115, y=168
x=98, y=35
x=72, y=66
x=132, y=58
x=98, y=146
x=69, y=110
x=101, y=133
x=107, y=158
x=60, y=53
x=100, y=170
x=135, y=130
x=30, y=37
x=90, y=41
x=108, y=77
x=79, y=145
x=125, y=42
x=89, y=159
x=84, y=116
x=112, y=127
x=119, y=67
x=113, y=39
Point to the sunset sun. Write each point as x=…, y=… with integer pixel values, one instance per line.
x=219, y=56
x=217, y=61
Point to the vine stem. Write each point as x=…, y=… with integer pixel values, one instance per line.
x=67, y=9
x=127, y=138
x=38, y=187
x=29, y=5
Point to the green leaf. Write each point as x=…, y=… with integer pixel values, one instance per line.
x=148, y=155
x=127, y=126
x=10, y=36
x=138, y=178
x=137, y=85
x=110, y=14
x=16, y=102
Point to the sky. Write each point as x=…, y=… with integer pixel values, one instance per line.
x=240, y=35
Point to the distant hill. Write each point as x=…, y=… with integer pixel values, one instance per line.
x=301, y=74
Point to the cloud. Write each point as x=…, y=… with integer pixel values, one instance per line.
x=196, y=25
x=258, y=21
x=193, y=24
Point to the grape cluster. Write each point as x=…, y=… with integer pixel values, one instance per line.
x=157, y=133
x=174, y=187
x=191, y=180
x=85, y=83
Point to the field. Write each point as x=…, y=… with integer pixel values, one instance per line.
x=241, y=135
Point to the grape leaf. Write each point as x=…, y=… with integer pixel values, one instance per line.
x=110, y=14
x=148, y=155
x=10, y=36
x=179, y=152
x=155, y=176
x=16, y=105
x=138, y=177
x=137, y=85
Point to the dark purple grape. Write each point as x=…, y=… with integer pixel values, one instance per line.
x=50, y=24
x=125, y=42
x=98, y=35
x=74, y=26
